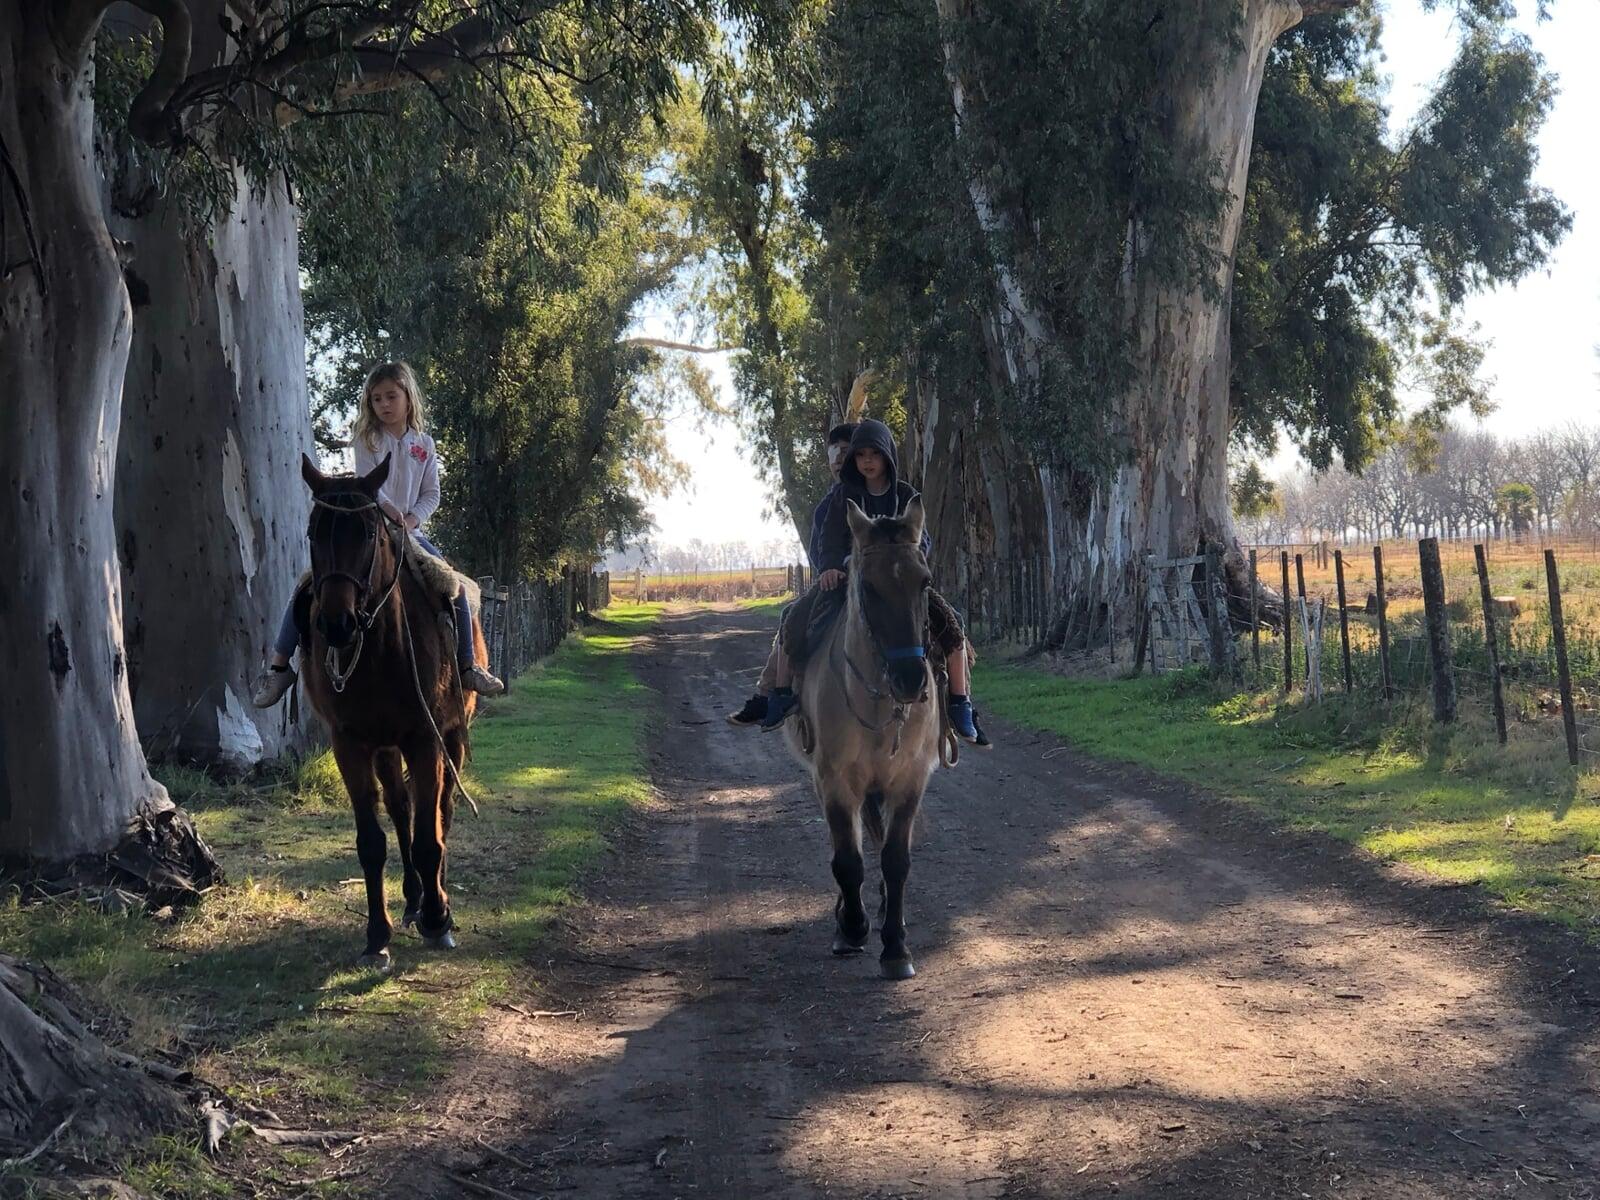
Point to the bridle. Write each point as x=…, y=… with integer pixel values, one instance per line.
x=885, y=656
x=325, y=512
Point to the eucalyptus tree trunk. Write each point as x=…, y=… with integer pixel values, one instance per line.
x=211, y=512
x=1171, y=494
x=74, y=774
x=981, y=496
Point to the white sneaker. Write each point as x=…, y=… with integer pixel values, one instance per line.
x=272, y=686
x=476, y=679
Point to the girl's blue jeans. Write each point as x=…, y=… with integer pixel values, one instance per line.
x=289, y=637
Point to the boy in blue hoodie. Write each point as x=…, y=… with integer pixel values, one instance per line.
x=755, y=708
x=870, y=477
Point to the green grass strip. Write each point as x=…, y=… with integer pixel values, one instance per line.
x=256, y=983
x=1452, y=802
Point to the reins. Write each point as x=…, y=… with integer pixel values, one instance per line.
x=365, y=618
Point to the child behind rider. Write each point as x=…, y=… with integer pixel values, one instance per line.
x=755, y=708
x=389, y=424
x=870, y=478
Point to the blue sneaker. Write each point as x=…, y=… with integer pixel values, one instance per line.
x=780, y=706
x=965, y=721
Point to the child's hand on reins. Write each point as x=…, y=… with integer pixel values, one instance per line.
x=830, y=580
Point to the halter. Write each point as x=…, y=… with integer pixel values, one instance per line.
x=365, y=616
x=885, y=656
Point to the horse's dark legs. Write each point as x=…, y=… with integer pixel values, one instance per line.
x=895, y=961
x=849, y=871
x=455, y=744
x=355, y=766
x=426, y=765
x=397, y=799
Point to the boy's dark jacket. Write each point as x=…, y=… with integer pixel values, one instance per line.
x=819, y=516
x=831, y=544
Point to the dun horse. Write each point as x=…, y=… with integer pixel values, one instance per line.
x=869, y=730
x=379, y=671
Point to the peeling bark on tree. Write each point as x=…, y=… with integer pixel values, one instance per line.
x=74, y=773
x=215, y=416
x=211, y=516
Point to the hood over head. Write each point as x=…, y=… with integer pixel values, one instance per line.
x=870, y=435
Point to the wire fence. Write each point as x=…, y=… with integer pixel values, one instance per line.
x=1510, y=627
x=1360, y=619
x=744, y=583
x=525, y=622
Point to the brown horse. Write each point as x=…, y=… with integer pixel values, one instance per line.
x=869, y=731
x=378, y=670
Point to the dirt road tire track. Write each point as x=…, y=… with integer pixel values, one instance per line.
x=1125, y=988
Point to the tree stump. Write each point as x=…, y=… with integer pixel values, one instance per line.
x=61, y=1086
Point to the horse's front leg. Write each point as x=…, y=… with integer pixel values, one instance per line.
x=844, y=826
x=895, y=962
x=397, y=799
x=355, y=766
x=426, y=765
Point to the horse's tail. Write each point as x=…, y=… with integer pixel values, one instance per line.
x=872, y=817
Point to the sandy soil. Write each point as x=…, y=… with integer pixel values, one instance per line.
x=1125, y=988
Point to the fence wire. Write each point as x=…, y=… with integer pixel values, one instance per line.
x=525, y=622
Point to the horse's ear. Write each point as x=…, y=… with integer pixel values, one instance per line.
x=375, y=478
x=315, y=479
x=915, y=519
x=860, y=523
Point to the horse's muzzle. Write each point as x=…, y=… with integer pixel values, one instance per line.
x=338, y=629
x=908, y=679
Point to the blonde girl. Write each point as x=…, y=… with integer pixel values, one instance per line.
x=389, y=423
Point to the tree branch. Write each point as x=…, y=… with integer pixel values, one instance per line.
x=1315, y=8
x=149, y=118
x=157, y=111
x=689, y=347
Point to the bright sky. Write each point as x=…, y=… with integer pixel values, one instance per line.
x=1544, y=331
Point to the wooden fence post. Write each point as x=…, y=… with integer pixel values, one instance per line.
x=1344, y=620
x=1300, y=589
x=1433, y=602
x=1559, y=629
x=1383, y=624
x=1288, y=629
x=1492, y=642
x=1255, y=615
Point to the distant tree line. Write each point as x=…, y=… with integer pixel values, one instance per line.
x=1452, y=482
x=700, y=555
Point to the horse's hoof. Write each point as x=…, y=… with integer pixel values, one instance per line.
x=897, y=968
x=843, y=946
x=410, y=919
x=444, y=941
x=379, y=962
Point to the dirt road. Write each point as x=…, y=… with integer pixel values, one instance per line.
x=1124, y=989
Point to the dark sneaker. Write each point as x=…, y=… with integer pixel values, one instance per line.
x=965, y=722
x=753, y=711
x=780, y=706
